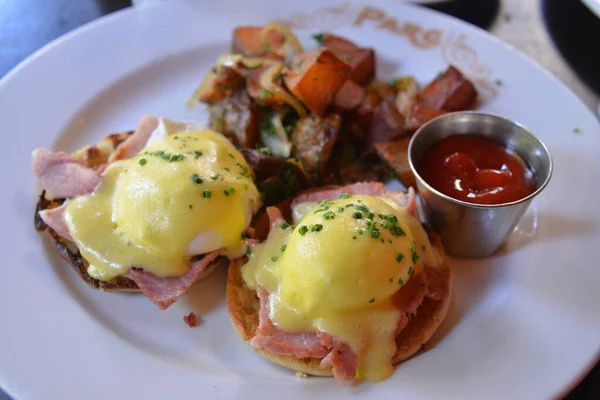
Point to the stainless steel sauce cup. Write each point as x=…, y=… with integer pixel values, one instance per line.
x=477, y=230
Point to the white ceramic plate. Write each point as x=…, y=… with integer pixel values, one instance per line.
x=593, y=5
x=525, y=323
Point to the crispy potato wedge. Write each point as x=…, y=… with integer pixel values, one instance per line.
x=315, y=77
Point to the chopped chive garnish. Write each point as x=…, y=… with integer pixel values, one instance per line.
x=244, y=235
x=329, y=215
x=357, y=215
x=392, y=219
x=344, y=196
x=375, y=233
x=229, y=192
x=230, y=155
x=227, y=169
x=397, y=231
x=400, y=282
x=371, y=301
x=285, y=225
x=274, y=258
x=283, y=247
x=142, y=161
x=197, y=154
x=413, y=250
x=248, y=251
x=391, y=280
x=316, y=228
x=353, y=237
x=340, y=209
x=302, y=230
x=206, y=194
x=191, y=206
x=399, y=257
x=196, y=179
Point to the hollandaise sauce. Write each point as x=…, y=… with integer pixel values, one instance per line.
x=337, y=270
x=188, y=194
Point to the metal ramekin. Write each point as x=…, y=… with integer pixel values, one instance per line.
x=476, y=230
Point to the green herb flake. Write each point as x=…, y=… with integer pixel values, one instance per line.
x=399, y=257
x=371, y=301
x=196, y=179
x=264, y=93
x=283, y=247
x=357, y=215
x=400, y=282
x=340, y=209
x=274, y=258
x=229, y=192
x=576, y=130
x=391, y=280
x=142, y=161
x=244, y=235
x=190, y=206
x=498, y=82
x=316, y=228
x=375, y=233
x=213, y=70
x=302, y=230
x=284, y=225
x=206, y=194
x=265, y=150
x=230, y=155
x=413, y=250
x=344, y=196
x=329, y=215
x=319, y=37
x=248, y=251
x=197, y=154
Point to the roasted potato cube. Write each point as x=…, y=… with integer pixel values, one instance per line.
x=237, y=118
x=349, y=97
x=313, y=138
x=387, y=124
x=246, y=40
x=361, y=60
x=419, y=114
x=451, y=91
x=395, y=155
x=384, y=90
x=315, y=77
x=218, y=84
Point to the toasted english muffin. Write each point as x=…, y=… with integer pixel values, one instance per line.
x=243, y=305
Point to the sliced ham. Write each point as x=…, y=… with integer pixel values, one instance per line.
x=410, y=296
x=342, y=361
x=54, y=219
x=165, y=291
x=62, y=176
x=434, y=283
x=137, y=141
x=271, y=338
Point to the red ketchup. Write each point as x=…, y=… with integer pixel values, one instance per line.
x=476, y=170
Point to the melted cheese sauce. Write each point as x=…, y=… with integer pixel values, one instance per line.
x=187, y=194
x=337, y=270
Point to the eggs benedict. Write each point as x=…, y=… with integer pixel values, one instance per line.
x=168, y=204
x=350, y=286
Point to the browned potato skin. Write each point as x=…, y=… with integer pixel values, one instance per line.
x=349, y=97
x=313, y=139
x=315, y=77
x=361, y=60
x=420, y=114
x=217, y=87
x=255, y=89
x=361, y=118
x=451, y=92
x=384, y=90
x=395, y=155
x=387, y=125
x=246, y=40
x=237, y=118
